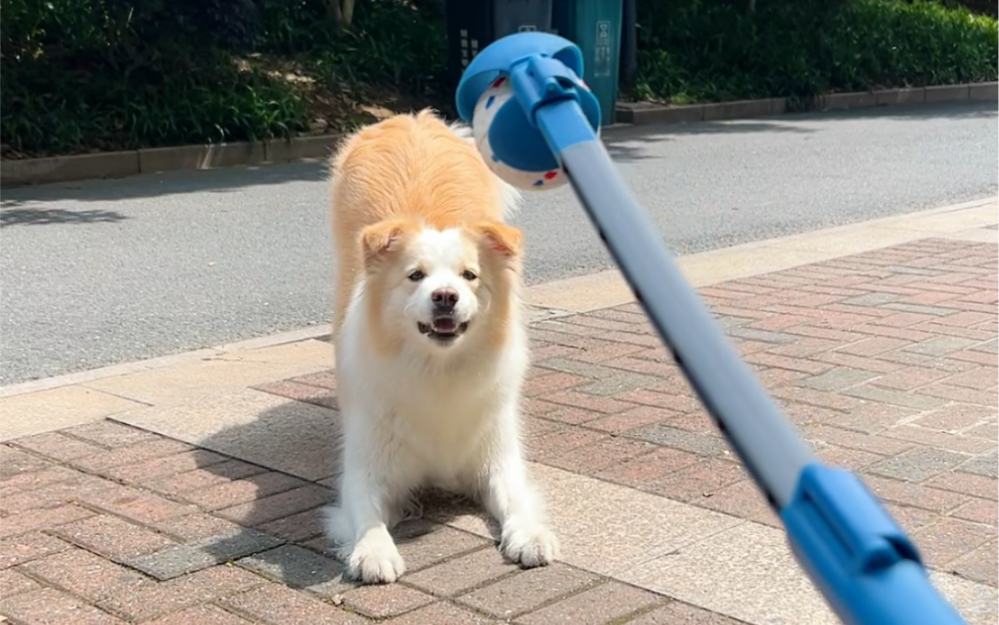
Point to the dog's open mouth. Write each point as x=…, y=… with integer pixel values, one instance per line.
x=442, y=329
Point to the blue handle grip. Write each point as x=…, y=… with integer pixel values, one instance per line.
x=866, y=567
x=863, y=563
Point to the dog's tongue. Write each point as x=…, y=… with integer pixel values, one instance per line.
x=444, y=324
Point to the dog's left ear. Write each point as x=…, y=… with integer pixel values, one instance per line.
x=498, y=238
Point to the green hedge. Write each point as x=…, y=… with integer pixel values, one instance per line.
x=83, y=75
x=391, y=42
x=104, y=74
x=711, y=50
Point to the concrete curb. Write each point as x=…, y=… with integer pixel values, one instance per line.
x=644, y=113
x=194, y=157
x=152, y=160
x=162, y=362
x=317, y=332
x=968, y=221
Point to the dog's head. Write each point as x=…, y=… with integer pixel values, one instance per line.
x=438, y=288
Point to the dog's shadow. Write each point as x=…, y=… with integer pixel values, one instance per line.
x=293, y=449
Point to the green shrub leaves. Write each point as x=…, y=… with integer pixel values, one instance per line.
x=86, y=75
x=709, y=50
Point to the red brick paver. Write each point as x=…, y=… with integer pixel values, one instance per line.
x=885, y=361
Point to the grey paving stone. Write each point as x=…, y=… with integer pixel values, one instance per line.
x=684, y=440
x=622, y=383
x=921, y=309
x=575, y=367
x=918, y=464
x=988, y=347
x=183, y=559
x=872, y=299
x=896, y=398
x=916, y=271
x=300, y=568
x=729, y=321
x=940, y=346
x=764, y=336
x=986, y=465
x=838, y=379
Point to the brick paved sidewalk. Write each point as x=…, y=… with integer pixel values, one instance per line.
x=885, y=361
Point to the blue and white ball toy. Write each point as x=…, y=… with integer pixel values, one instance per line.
x=498, y=100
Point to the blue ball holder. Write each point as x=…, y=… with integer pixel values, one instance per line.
x=866, y=567
x=541, y=68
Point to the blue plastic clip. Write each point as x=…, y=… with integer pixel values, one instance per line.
x=862, y=561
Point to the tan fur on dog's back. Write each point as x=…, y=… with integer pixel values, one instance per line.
x=405, y=166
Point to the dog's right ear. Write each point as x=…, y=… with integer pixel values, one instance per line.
x=385, y=237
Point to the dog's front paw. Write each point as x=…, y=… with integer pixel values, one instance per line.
x=375, y=560
x=530, y=545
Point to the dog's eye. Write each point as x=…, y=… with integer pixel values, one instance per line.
x=416, y=276
x=469, y=275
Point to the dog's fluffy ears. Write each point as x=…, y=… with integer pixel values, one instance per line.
x=385, y=237
x=388, y=237
x=499, y=238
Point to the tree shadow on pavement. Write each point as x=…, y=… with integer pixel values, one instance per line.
x=221, y=180
x=43, y=216
x=295, y=445
x=632, y=143
x=627, y=143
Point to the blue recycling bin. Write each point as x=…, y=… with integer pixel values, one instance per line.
x=595, y=26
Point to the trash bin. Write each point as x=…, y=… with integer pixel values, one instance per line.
x=595, y=26
x=474, y=24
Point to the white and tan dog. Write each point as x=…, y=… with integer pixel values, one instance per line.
x=431, y=347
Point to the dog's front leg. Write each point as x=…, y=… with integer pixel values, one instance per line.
x=374, y=558
x=512, y=500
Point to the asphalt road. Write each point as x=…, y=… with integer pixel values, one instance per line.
x=109, y=271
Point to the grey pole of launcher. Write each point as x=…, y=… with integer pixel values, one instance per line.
x=747, y=416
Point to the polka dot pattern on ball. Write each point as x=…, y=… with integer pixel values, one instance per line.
x=496, y=96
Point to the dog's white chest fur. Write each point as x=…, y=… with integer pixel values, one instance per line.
x=434, y=425
x=411, y=422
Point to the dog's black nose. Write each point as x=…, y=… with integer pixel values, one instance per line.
x=444, y=298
